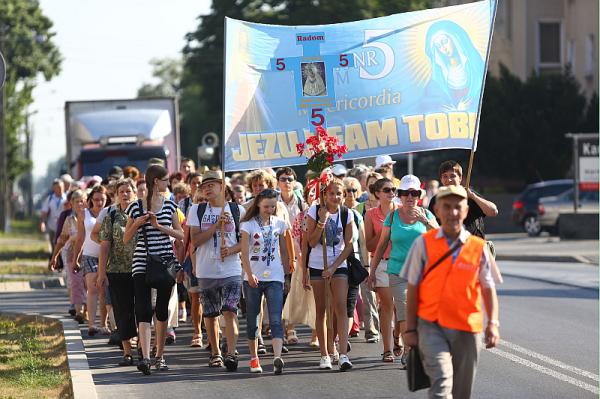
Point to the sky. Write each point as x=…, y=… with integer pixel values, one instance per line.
x=106, y=47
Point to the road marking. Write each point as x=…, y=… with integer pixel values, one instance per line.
x=549, y=360
x=546, y=370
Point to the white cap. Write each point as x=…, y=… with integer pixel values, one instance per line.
x=339, y=170
x=411, y=182
x=383, y=160
x=66, y=178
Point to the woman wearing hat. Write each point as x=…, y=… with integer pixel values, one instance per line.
x=402, y=227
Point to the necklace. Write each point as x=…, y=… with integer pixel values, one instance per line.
x=267, y=238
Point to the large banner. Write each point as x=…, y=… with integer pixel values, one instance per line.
x=403, y=83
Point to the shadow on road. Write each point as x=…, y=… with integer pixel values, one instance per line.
x=567, y=293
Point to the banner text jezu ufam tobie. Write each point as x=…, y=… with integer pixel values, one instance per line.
x=402, y=83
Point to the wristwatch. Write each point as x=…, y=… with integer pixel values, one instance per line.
x=494, y=322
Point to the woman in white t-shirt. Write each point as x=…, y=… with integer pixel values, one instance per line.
x=339, y=246
x=265, y=262
x=90, y=251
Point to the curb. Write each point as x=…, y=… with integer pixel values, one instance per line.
x=20, y=286
x=81, y=376
x=547, y=258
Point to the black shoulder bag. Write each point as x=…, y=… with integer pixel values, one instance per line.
x=160, y=272
x=357, y=273
x=415, y=373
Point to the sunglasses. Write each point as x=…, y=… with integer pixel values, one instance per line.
x=412, y=193
x=286, y=179
x=387, y=190
x=351, y=190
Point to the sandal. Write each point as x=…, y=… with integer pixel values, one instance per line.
x=292, y=338
x=388, y=357
x=215, y=361
x=398, y=349
x=196, y=341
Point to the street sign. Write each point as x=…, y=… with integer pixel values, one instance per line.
x=588, y=164
x=2, y=70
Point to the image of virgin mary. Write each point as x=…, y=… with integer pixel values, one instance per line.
x=457, y=69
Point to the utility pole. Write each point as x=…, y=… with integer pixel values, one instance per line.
x=4, y=215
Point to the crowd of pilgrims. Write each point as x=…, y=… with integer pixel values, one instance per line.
x=261, y=258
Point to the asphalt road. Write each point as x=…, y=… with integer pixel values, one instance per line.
x=549, y=350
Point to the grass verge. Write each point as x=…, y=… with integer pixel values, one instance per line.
x=25, y=266
x=33, y=358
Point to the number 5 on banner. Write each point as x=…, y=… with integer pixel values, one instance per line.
x=317, y=117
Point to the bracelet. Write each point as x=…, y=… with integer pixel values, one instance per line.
x=321, y=225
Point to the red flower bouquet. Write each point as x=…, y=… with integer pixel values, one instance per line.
x=321, y=150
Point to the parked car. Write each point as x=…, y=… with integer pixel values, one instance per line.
x=525, y=206
x=550, y=208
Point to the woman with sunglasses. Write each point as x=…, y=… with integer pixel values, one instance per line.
x=401, y=228
x=385, y=192
x=339, y=246
x=266, y=265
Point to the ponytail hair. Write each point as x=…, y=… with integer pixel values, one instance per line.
x=254, y=209
x=153, y=172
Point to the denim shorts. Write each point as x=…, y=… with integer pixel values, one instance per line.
x=220, y=295
x=315, y=274
x=89, y=264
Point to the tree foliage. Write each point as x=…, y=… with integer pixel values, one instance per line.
x=202, y=84
x=167, y=74
x=26, y=42
x=523, y=125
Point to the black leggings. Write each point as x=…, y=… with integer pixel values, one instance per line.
x=122, y=298
x=143, y=300
x=351, y=300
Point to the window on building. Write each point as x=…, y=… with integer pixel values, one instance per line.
x=590, y=57
x=549, y=44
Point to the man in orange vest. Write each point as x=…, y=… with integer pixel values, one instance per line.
x=449, y=271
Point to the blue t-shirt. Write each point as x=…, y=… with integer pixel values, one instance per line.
x=402, y=236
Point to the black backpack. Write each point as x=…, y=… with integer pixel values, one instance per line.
x=235, y=213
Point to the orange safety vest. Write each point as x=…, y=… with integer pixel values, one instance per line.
x=451, y=294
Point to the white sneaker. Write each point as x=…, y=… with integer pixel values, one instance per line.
x=344, y=363
x=325, y=363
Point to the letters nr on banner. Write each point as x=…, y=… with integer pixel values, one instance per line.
x=403, y=83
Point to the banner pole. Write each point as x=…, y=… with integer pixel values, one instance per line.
x=470, y=169
x=223, y=139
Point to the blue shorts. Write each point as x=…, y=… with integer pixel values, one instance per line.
x=89, y=264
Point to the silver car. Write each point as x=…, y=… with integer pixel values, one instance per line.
x=550, y=208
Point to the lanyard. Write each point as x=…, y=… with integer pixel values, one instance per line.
x=333, y=230
x=267, y=238
x=209, y=209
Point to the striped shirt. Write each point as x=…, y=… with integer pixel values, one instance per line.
x=159, y=243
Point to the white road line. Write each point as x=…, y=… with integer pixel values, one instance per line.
x=546, y=370
x=549, y=360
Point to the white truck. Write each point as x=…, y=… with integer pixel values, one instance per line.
x=104, y=133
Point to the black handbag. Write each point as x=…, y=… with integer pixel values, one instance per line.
x=417, y=378
x=357, y=273
x=160, y=272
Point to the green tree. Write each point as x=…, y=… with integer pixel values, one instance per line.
x=202, y=84
x=167, y=73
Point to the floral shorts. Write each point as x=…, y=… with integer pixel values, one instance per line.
x=219, y=295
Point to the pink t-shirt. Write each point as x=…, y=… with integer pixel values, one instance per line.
x=377, y=218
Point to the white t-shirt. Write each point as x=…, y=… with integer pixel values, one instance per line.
x=53, y=206
x=90, y=248
x=208, y=255
x=258, y=249
x=335, y=239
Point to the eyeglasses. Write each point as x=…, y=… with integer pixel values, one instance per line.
x=412, y=193
x=387, y=190
x=351, y=190
x=286, y=179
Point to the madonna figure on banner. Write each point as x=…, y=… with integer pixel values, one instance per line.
x=457, y=68
x=313, y=80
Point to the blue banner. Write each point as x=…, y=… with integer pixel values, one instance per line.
x=402, y=83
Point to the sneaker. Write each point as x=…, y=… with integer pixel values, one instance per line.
x=344, y=363
x=261, y=349
x=255, y=366
x=278, y=366
x=284, y=349
x=372, y=339
x=126, y=361
x=231, y=362
x=335, y=357
x=171, y=337
x=160, y=364
x=144, y=366
x=325, y=363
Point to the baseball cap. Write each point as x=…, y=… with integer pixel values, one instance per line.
x=383, y=160
x=115, y=172
x=212, y=175
x=339, y=170
x=66, y=178
x=452, y=190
